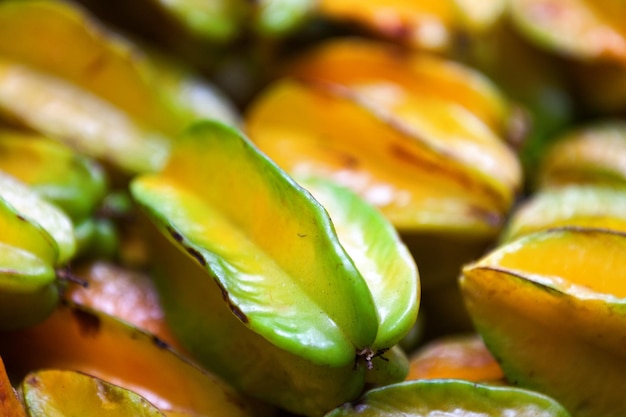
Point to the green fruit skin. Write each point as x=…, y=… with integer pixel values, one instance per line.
x=28, y=291
x=220, y=341
x=434, y=398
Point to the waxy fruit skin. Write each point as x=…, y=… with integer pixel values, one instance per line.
x=551, y=299
x=450, y=397
x=68, y=393
x=78, y=338
x=266, y=279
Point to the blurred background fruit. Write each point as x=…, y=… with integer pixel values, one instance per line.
x=445, y=134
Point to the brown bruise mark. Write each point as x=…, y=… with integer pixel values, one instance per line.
x=159, y=343
x=20, y=217
x=175, y=234
x=198, y=257
x=238, y=313
x=178, y=237
x=88, y=323
x=195, y=254
x=233, y=308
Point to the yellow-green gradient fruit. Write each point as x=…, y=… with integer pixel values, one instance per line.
x=450, y=397
x=69, y=393
x=550, y=306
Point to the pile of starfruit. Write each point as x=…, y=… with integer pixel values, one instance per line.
x=312, y=208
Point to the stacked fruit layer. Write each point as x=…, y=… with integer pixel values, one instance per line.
x=331, y=208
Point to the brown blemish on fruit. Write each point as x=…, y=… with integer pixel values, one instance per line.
x=175, y=234
x=238, y=313
x=234, y=308
x=197, y=255
x=22, y=218
x=88, y=323
x=158, y=342
x=180, y=239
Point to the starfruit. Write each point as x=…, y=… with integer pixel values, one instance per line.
x=309, y=129
x=388, y=126
x=575, y=205
x=27, y=277
x=581, y=29
x=196, y=28
x=68, y=393
x=419, y=137
x=81, y=339
x=10, y=404
x=123, y=292
x=100, y=93
x=37, y=237
x=273, y=18
x=450, y=397
x=35, y=209
x=358, y=225
x=551, y=299
x=590, y=38
x=460, y=356
x=408, y=85
x=74, y=183
x=430, y=25
x=587, y=154
x=543, y=100
x=282, y=292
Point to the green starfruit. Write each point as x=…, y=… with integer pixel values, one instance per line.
x=28, y=255
x=435, y=398
x=281, y=292
x=74, y=183
x=34, y=208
